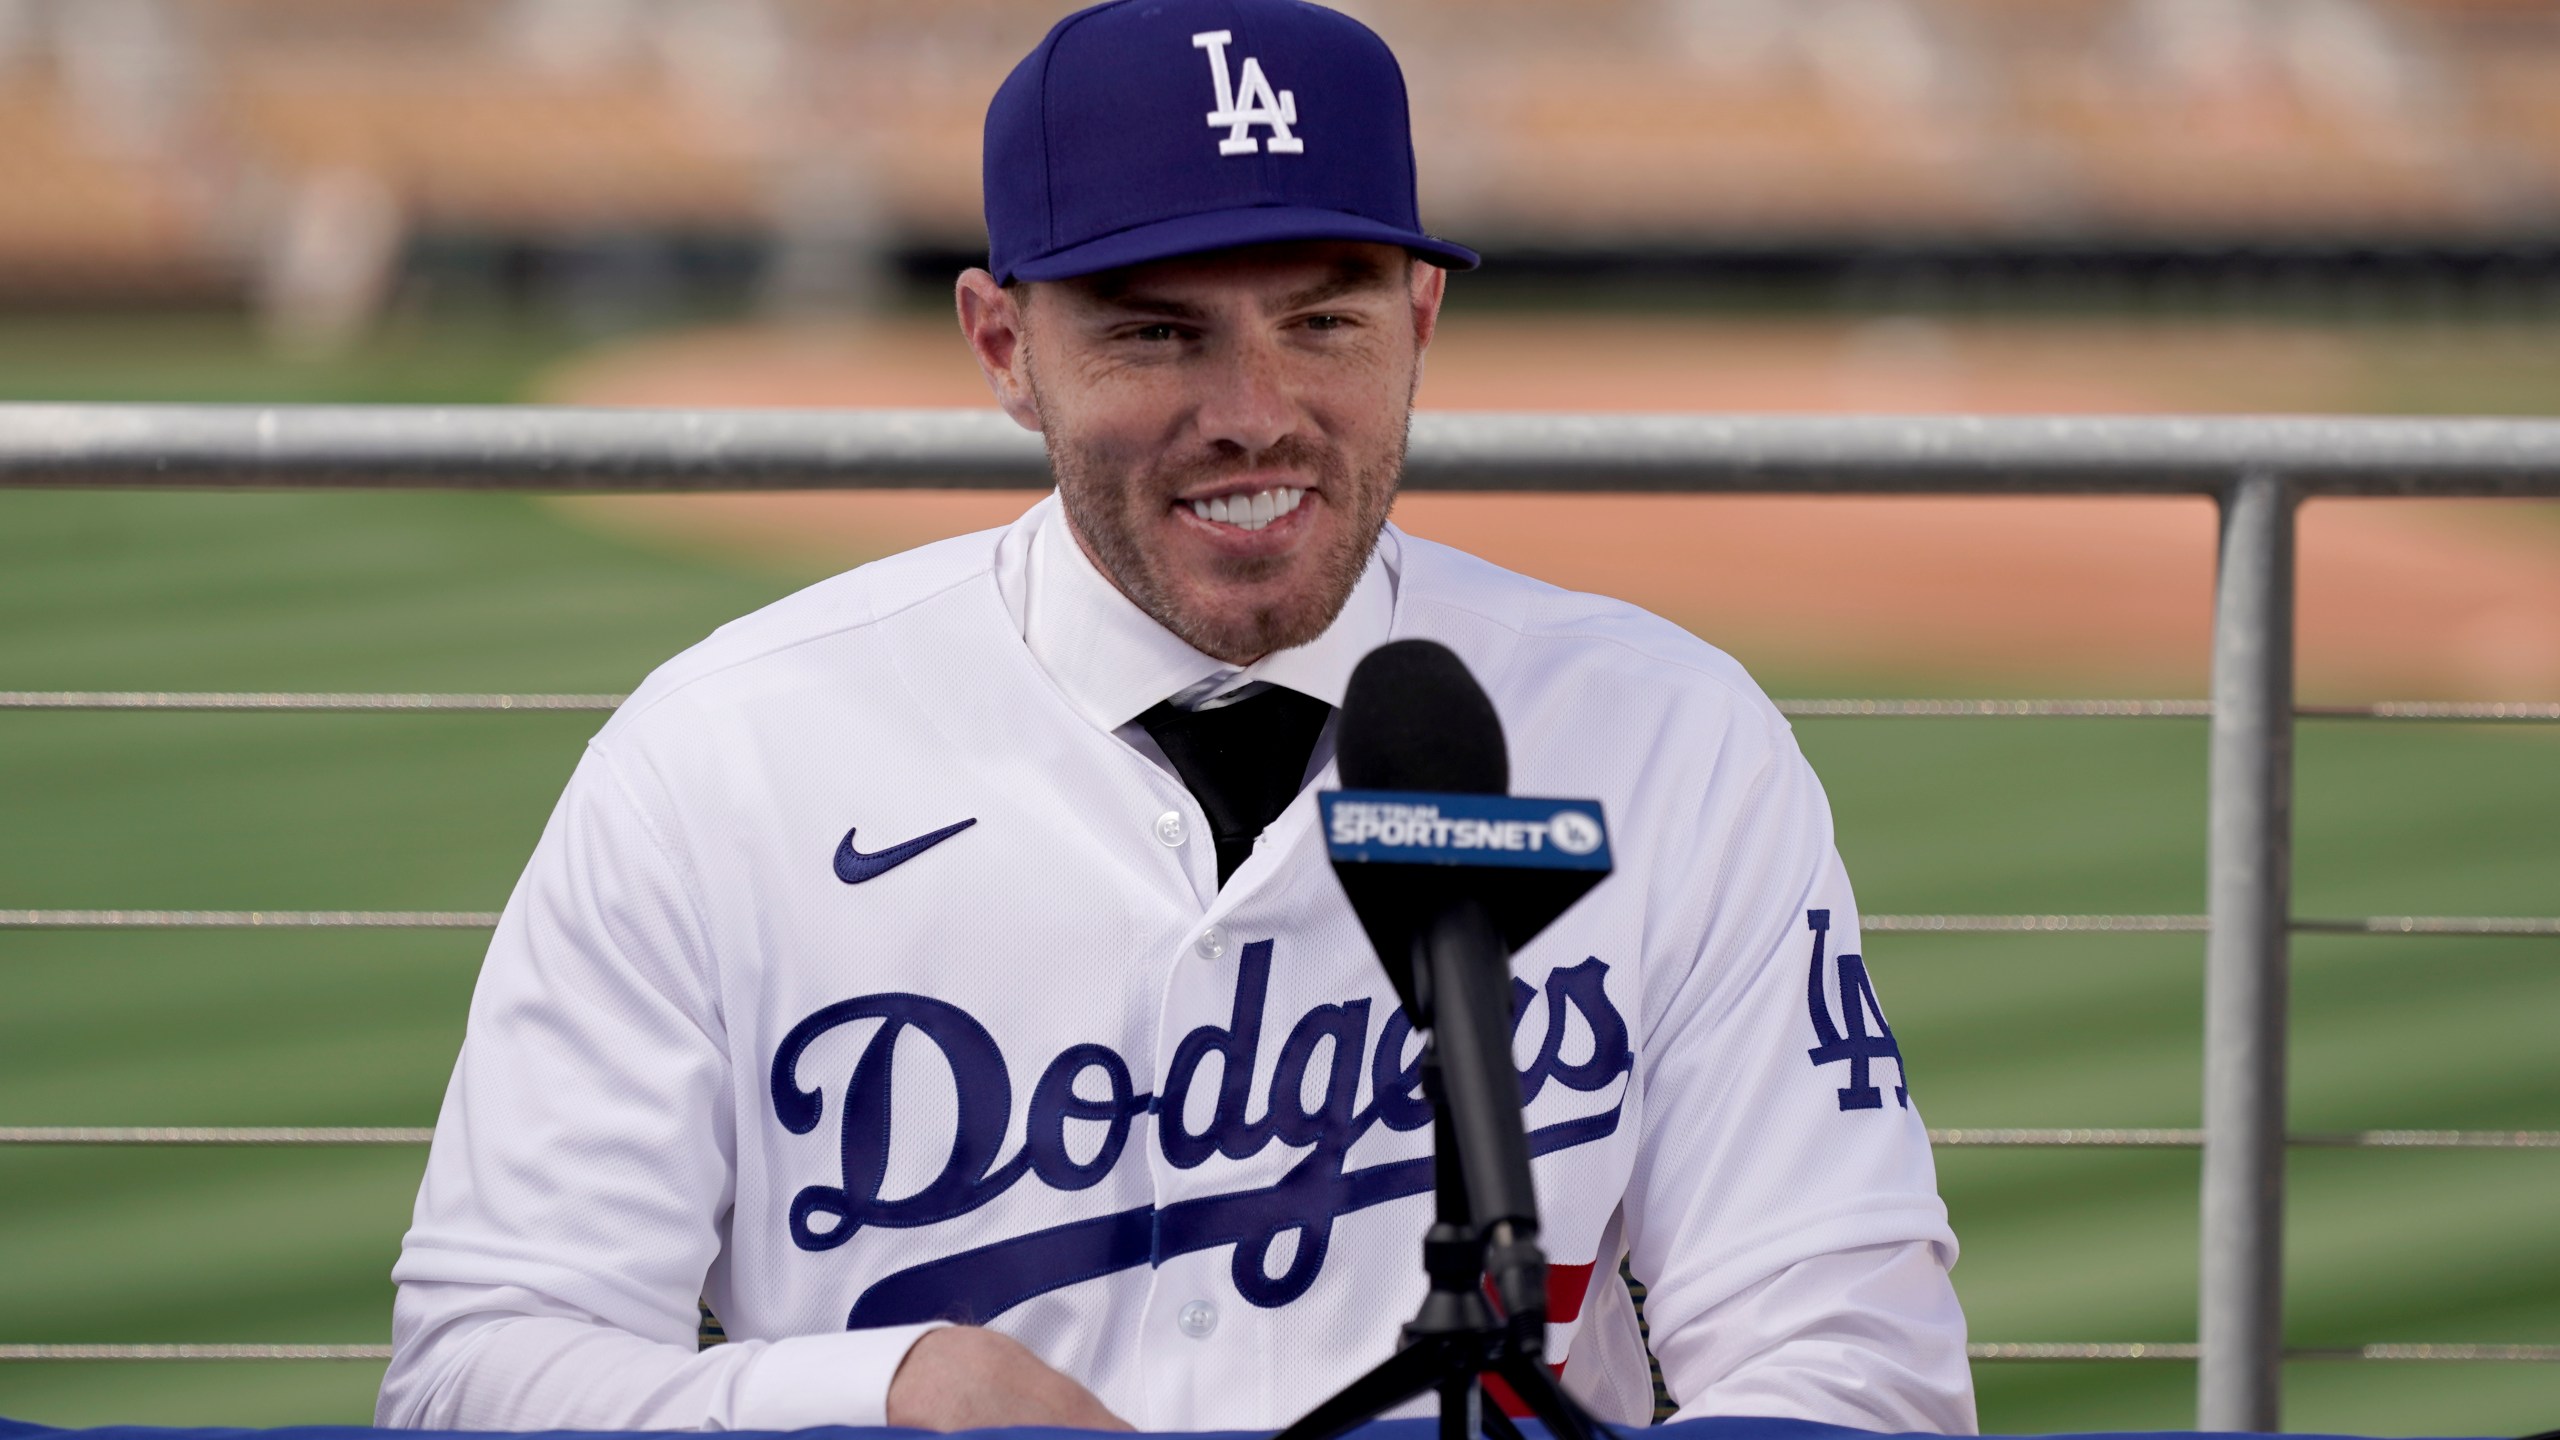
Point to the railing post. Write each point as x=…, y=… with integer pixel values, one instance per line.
x=2250, y=856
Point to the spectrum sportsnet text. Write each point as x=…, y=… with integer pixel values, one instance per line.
x=1487, y=829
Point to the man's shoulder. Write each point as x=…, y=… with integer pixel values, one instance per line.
x=797, y=638
x=1544, y=637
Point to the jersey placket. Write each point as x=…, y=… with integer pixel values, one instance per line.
x=1200, y=1339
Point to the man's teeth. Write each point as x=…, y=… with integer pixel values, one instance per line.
x=1250, y=512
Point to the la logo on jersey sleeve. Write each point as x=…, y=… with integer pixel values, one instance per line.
x=1851, y=1041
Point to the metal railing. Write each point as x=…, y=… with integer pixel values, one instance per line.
x=213, y=701
x=2256, y=470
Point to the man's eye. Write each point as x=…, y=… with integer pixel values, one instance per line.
x=1326, y=322
x=1155, y=334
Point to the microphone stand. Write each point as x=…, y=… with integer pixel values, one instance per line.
x=1457, y=1339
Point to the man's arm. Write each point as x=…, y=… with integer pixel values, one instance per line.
x=470, y=1359
x=481, y=1357
x=582, y=1169
x=1870, y=1337
x=1784, y=1210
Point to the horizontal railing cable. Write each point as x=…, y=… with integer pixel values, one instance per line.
x=248, y=919
x=2427, y=1140
x=2458, y=710
x=391, y=702
x=563, y=450
x=194, y=1352
x=294, y=700
x=2049, y=1350
x=2510, y=925
x=2170, y=1139
x=1996, y=709
x=2532, y=1354
x=1961, y=1138
x=2430, y=925
x=2044, y=1138
x=2188, y=1350
x=2513, y=925
x=216, y=1134
x=2032, y=924
x=2068, y=1350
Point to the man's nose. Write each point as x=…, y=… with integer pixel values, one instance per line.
x=1245, y=396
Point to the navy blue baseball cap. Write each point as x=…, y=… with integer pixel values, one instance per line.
x=1141, y=130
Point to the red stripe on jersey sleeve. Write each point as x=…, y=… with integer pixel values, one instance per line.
x=1566, y=1287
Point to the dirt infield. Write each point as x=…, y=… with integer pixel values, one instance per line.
x=2399, y=599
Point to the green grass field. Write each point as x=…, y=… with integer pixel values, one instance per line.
x=485, y=593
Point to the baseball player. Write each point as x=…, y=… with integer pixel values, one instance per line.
x=938, y=973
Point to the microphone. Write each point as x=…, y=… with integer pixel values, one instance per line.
x=1414, y=718
x=1449, y=874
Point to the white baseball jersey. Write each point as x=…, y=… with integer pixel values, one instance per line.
x=874, y=973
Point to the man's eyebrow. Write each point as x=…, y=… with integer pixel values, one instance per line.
x=1344, y=277
x=1143, y=304
x=1350, y=275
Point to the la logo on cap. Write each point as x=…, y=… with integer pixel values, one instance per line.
x=1247, y=101
x=1094, y=159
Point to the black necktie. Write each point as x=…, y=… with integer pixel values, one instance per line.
x=1243, y=761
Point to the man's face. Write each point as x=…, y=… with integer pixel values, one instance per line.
x=1227, y=429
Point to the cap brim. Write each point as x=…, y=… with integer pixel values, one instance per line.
x=1227, y=229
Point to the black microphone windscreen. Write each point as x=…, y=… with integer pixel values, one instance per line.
x=1413, y=718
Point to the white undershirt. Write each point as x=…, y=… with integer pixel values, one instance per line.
x=1112, y=660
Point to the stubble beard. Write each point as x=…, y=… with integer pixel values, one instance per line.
x=1109, y=510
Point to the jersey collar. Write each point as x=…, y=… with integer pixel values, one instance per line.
x=1111, y=660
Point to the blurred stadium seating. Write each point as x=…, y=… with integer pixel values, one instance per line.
x=298, y=150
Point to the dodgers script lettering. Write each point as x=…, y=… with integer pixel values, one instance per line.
x=1327, y=1052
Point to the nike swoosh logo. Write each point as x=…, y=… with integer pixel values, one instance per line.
x=853, y=867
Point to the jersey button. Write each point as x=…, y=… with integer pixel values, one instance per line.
x=1170, y=829
x=1211, y=944
x=1199, y=1319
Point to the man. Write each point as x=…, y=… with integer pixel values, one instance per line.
x=939, y=971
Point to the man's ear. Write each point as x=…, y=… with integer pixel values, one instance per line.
x=1427, y=287
x=992, y=321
